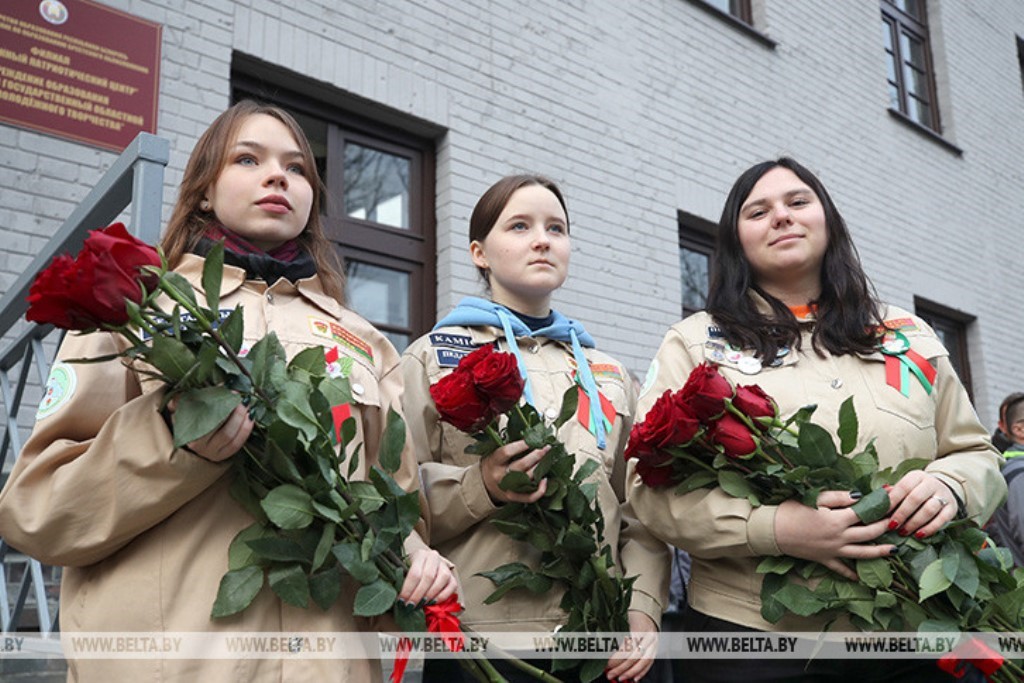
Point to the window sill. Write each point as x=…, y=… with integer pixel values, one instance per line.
x=729, y=19
x=925, y=132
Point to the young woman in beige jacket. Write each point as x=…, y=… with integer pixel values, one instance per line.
x=143, y=528
x=791, y=310
x=519, y=241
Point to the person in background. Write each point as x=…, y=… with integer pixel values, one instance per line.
x=142, y=527
x=1007, y=524
x=1001, y=437
x=519, y=242
x=791, y=310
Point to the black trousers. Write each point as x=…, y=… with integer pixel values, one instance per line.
x=795, y=670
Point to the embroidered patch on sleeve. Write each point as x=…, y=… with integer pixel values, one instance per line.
x=60, y=387
x=449, y=358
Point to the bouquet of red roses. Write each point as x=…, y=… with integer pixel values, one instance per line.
x=481, y=397
x=709, y=434
x=312, y=523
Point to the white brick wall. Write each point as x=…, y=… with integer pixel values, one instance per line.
x=638, y=109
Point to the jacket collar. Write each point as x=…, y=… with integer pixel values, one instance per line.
x=191, y=268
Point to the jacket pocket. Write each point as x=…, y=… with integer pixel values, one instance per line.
x=917, y=409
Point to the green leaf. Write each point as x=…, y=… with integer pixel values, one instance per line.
x=799, y=599
x=734, y=484
x=294, y=409
x=518, y=482
x=771, y=609
x=950, y=559
x=865, y=609
x=325, y=586
x=290, y=584
x=238, y=588
x=392, y=442
x=232, y=329
x=289, y=507
x=277, y=549
x=780, y=564
x=181, y=286
x=213, y=271
x=323, y=546
x=239, y=553
x=816, y=447
x=848, y=427
x=873, y=506
x=375, y=598
x=264, y=354
x=171, y=357
x=933, y=581
x=200, y=411
x=336, y=390
x=311, y=361
x=506, y=572
x=351, y=558
x=875, y=572
x=697, y=480
x=585, y=470
x=570, y=402
x=536, y=435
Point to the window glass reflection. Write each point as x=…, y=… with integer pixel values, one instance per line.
x=376, y=186
x=381, y=295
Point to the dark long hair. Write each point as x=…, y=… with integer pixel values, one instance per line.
x=848, y=311
x=208, y=159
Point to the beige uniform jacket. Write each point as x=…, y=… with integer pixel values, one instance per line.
x=726, y=536
x=143, y=528
x=460, y=505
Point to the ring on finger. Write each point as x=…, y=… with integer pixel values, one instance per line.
x=942, y=501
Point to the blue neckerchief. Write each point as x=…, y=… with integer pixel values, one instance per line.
x=473, y=311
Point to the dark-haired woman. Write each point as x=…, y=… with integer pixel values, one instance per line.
x=519, y=241
x=790, y=309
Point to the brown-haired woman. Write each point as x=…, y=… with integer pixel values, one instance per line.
x=519, y=242
x=142, y=527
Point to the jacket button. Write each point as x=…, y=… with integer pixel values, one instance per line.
x=357, y=389
x=270, y=298
x=535, y=348
x=836, y=383
x=551, y=413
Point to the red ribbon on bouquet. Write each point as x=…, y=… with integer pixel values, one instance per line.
x=441, y=618
x=975, y=652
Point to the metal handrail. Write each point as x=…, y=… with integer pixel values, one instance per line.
x=135, y=178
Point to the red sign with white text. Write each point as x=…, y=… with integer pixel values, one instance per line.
x=79, y=70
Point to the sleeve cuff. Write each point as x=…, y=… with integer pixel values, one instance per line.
x=642, y=602
x=761, y=531
x=474, y=493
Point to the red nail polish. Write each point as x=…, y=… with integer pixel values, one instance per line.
x=887, y=487
x=919, y=535
x=904, y=532
x=893, y=524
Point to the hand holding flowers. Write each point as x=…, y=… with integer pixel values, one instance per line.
x=845, y=554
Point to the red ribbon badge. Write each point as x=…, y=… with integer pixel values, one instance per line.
x=975, y=652
x=901, y=361
x=339, y=414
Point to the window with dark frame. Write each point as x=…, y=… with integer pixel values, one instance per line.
x=736, y=8
x=696, y=247
x=1020, y=57
x=379, y=209
x=951, y=327
x=911, y=75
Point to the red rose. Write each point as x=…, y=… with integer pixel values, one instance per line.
x=753, y=402
x=468, y=362
x=669, y=422
x=459, y=403
x=654, y=473
x=91, y=290
x=733, y=436
x=705, y=391
x=497, y=377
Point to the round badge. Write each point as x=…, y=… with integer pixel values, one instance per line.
x=895, y=343
x=749, y=365
x=732, y=354
x=60, y=387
